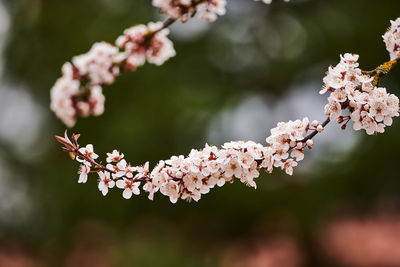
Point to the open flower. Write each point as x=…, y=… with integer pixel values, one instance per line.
x=142, y=171
x=298, y=154
x=83, y=173
x=150, y=188
x=333, y=109
x=189, y=195
x=192, y=181
x=124, y=170
x=233, y=168
x=105, y=182
x=87, y=152
x=115, y=156
x=367, y=122
x=130, y=187
x=171, y=189
x=288, y=166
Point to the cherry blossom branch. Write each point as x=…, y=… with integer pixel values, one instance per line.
x=72, y=147
x=378, y=73
x=101, y=167
x=79, y=92
x=382, y=70
x=189, y=177
x=350, y=89
x=315, y=132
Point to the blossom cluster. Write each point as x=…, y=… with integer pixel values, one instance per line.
x=79, y=91
x=141, y=43
x=392, y=39
x=182, y=9
x=371, y=108
x=68, y=100
x=208, y=10
x=287, y=138
x=190, y=177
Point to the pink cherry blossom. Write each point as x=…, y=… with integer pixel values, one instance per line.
x=88, y=152
x=130, y=187
x=392, y=39
x=105, y=182
x=124, y=170
x=115, y=156
x=83, y=174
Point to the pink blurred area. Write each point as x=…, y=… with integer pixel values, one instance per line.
x=14, y=256
x=368, y=241
x=280, y=250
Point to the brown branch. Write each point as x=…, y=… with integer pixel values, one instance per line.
x=168, y=22
x=315, y=132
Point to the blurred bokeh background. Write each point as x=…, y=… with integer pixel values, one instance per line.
x=233, y=79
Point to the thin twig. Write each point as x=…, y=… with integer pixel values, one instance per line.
x=103, y=168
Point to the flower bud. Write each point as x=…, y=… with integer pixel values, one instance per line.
x=299, y=145
x=310, y=143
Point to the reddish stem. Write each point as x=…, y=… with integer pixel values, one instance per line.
x=105, y=169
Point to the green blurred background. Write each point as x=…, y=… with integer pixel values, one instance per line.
x=233, y=79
